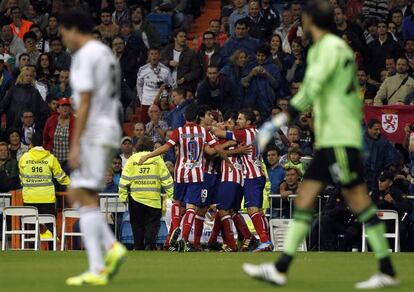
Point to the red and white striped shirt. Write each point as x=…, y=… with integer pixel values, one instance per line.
x=252, y=161
x=191, y=139
x=212, y=164
x=227, y=174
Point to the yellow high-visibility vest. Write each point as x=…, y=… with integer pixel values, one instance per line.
x=144, y=182
x=37, y=168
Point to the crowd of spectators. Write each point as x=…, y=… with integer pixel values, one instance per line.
x=252, y=56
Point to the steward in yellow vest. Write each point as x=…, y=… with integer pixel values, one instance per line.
x=141, y=186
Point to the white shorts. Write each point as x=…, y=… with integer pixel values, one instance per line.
x=94, y=162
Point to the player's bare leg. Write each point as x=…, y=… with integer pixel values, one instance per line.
x=361, y=205
x=299, y=228
x=97, y=237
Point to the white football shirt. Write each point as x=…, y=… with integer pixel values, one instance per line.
x=95, y=69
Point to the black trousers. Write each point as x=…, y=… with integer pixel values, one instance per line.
x=145, y=223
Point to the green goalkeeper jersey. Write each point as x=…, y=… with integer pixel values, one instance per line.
x=331, y=87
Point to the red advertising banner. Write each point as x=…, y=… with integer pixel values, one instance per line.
x=393, y=119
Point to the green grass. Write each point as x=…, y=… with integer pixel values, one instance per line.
x=163, y=271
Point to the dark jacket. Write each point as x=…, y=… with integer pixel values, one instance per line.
x=6, y=84
x=50, y=129
x=258, y=27
x=61, y=61
x=399, y=203
x=9, y=176
x=175, y=118
x=232, y=73
x=188, y=66
x=289, y=62
x=247, y=44
x=23, y=97
x=377, y=54
x=129, y=68
x=379, y=155
x=222, y=96
x=152, y=34
x=215, y=59
x=261, y=94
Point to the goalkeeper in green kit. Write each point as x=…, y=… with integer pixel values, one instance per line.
x=331, y=88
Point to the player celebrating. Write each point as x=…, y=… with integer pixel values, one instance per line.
x=189, y=168
x=331, y=87
x=254, y=180
x=95, y=79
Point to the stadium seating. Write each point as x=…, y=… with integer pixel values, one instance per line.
x=110, y=203
x=20, y=212
x=278, y=231
x=68, y=213
x=163, y=24
x=385, y=215
x=43, y=219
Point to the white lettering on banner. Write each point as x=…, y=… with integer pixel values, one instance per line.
x=389, y=123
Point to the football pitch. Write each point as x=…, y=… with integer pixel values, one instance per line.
x=163, y=271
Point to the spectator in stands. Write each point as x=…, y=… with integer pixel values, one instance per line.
x=235, y=70
x=61, y=59
x=14, y=43
x=336, y=219
x=127, y=60
x=58, y=131
x=116, y=168
x=275, y=171
x=52, y=29
x=276, y=51
x=408, y=24
x=271, y=15
x=29, y=39
x=209, y=54
x=107, y=28
x=175, y=118
x=42, y=44
x=121, y=13
x=148, y=33
x=23, y=61
x=36, y=16
x=289, y=187
x=155, y=128
x=240, y=11
x=16, y=147
x=293, y=160
x=110, y=186
x=220, y=37
x=294, y=135
x=9, y=172
x=29, y=126
x=375, y=8
x=397, y=18
x=151, y=77
x=389, y=197
x=6, y=79
x=23, y=96
x=240, y=41
x=62, y=88
x=379, y=49
x=381, y=154
x=134, y=43
x=139, y=131
x=342, y=25
x=294, y=64
x=391, y=65
x=396, y=88
x=182, y=61
x=284, y=29
x=366, y=88
x=19, y=26
x=409, y=52
x=127, y=149
x=45, y=70
x=259, y=28
x=261, y=82
x=218, y=91
x=371, y=30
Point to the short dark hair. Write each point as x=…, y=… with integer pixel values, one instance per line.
x=264, y=49
x=22, y=55
x=180, y=91
x=175, y=34
x=249, y=115
x=14, y=130
x=207, y=33
x=321, y=13
x=396, y=10
x=242, y=21
x=408, y=40
x=144, y=144
x=36, y=140
x=191, y=113
x=203, y=109
x=214, y=20
x=117, y=157
x=78, y=19
x=273, y=147
x=372, y=123
x=105, y=10
x=29, y=35
x=230, y=115
x=154, y=49
x=383, y=22
x=55, y=39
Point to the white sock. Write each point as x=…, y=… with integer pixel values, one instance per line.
x=107, y=235
x=92, y=237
